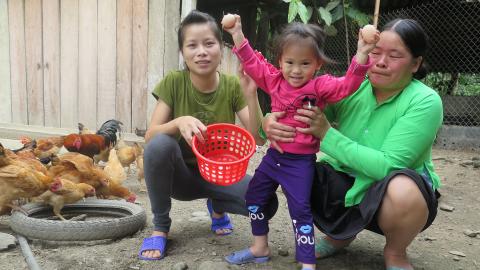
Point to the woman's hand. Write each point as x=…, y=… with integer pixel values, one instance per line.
x=190, y=126
x=318, y=124
x=276, y=131
x=248, y=85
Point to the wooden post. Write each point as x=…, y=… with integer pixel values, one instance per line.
x=376, y=13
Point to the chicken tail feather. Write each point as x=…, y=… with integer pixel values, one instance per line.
x=109, y=131
x=80, y=128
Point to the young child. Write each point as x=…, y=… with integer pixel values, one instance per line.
x=293, y=86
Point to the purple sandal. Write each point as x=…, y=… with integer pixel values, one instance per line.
x=219, y=223
x=153, y=243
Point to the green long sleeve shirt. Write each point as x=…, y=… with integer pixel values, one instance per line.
x=371, y=140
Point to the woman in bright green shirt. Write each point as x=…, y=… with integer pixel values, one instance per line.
x=376, y=171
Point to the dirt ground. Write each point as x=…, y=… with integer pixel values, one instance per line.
x=192, y=243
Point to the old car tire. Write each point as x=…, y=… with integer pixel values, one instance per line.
x=125, y=219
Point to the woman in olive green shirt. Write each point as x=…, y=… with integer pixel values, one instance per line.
x=376, y=172
x=187, y=101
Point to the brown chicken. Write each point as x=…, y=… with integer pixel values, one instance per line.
x=44, y=148
x=63, y=191
x=103, y=155
x=94, y=144
x=19, y=180
x=116, y=189
x=27, y=159
x=79, y=168
x=126, y=154
x=115, y=171
x=26, y=150
x=114, y=168
x=139, y=161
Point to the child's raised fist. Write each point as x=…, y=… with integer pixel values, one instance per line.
x=228, y=21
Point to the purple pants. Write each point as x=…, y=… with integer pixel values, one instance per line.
x=294, y=173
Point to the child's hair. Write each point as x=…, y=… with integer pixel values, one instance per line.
x=198, y=17
x=295, y=31
x=414, y=38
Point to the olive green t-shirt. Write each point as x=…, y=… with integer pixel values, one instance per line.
x=220, y=106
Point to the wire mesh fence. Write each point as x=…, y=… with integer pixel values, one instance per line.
x=453, y=58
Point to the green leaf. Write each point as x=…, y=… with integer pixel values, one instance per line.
x=310, y=12
x=330, y=30
x=332, y=5
x=352, y=13
x=292, y=11
x=287, y=1
x=303, y=12
x=363, y=19
x=325, y=15
x=359, y=17
x=337, y=13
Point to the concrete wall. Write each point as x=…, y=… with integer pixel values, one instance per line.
x=459, y=137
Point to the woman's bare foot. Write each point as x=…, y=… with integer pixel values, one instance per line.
x=395, y=259
x=154, y=253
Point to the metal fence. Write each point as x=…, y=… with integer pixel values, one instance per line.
x=453, y=57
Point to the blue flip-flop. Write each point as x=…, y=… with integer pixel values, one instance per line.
x=219, y=223
x=245, y=256
x=153, y=243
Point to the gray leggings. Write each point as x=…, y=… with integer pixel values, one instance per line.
x=167, y=176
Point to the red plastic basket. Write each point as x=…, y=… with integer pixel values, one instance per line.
x=223, y=157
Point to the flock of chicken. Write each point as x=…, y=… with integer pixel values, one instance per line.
x=37, y=172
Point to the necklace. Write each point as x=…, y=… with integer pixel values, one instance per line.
x=203, y=99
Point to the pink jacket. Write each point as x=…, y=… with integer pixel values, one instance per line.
x=319, y=91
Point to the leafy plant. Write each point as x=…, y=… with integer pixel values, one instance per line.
x=454, y=84
x=440, y=82
x=325, y=15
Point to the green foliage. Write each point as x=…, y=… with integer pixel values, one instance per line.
x=296, y=7
x=438, y=81
x=303, y=12
x=454, y=84
x=358, y=16
x=326, y=15
x=468, y=85
x=292, y=10
x=337, y=13
x=331, y=5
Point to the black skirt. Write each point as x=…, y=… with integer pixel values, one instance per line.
x=339, y=222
